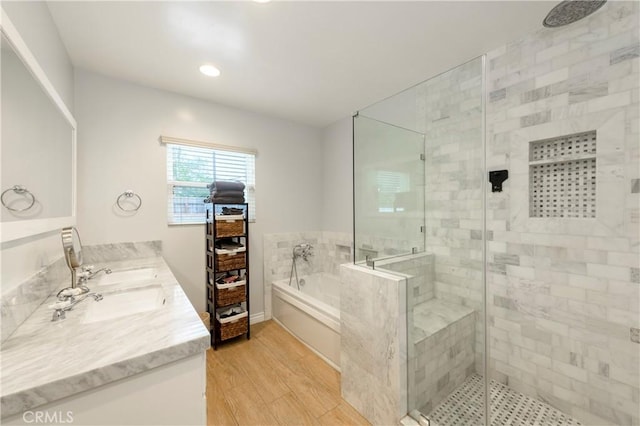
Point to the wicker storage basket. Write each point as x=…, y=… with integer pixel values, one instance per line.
x=231, y=295
x=233, y=326
x=227, y=262
x=229, y=228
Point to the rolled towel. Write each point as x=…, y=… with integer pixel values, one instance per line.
x=223, y=185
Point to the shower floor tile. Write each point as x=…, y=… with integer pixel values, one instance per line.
x=463, y=407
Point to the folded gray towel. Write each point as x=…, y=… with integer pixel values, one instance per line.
x=227, y=200
x=226, y=194
x=223, y=185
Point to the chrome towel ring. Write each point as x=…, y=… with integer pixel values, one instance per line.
x=129, y=194
x=20, y=190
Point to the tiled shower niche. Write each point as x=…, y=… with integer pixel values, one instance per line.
x=562, y=176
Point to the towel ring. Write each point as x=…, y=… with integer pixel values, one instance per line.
x=129, y=194
x=21, y=190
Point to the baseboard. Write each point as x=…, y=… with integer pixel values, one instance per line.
x=256, y=318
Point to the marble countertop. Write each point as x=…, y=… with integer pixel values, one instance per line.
x=44, y=361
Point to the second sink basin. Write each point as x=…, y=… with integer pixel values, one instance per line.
x=126, y=276
x=115, y=305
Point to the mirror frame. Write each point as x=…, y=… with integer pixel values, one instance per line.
x=10, y=231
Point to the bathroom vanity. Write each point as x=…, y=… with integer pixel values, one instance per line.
x=138, y=356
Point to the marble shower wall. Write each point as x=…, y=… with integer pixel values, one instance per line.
x=330, y=250
x=564, y=292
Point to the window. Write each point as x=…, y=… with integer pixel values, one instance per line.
x=191, y=168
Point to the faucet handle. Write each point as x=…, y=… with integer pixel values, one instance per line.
x=58, y=315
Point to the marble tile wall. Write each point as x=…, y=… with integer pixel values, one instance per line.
x=442, y=363
x=330, y=250
x=419, y=269
x=373, y=359
x=563, y=293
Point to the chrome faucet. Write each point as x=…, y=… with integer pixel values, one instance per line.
x=303, y=250
x=88, y=273
x=59, y=313
x=299, y=250
x=80, y=287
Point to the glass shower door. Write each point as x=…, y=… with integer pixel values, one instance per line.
x=388, y=190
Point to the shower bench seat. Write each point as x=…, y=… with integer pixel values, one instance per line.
x=443, y=352
x=435, y=316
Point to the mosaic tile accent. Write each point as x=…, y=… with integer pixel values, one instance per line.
x=562, y=176
x=551, y=149
x=464, y=406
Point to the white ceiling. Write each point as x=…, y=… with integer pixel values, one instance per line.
x=309, y=62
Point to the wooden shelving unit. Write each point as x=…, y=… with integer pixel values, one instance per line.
x=227, y=257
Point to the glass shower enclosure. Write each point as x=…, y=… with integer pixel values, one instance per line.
x=523, y=295
x=418, y=211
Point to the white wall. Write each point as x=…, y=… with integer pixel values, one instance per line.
x=23, y=258
x=118, y=149
x=337, y=162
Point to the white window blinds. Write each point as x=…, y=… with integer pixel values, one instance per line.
x=191, y=168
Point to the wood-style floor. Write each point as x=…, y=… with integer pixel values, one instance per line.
x=273, y=379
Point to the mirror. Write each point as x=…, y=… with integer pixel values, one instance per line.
x=37, y=146
x=72, y=246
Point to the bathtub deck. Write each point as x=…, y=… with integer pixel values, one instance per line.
x=273, y=379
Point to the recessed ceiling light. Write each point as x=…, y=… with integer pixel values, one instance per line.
x=262, y=1
x=210, y=70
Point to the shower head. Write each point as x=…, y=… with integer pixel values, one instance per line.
x=570, y=11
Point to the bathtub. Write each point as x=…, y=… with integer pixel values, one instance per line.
x=311, y=314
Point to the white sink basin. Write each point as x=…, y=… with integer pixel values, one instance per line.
x=116, y=305
x=125, y=276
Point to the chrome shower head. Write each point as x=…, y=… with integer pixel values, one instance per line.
x=570, y=11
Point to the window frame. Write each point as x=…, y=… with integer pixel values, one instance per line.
x=172, y=184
